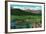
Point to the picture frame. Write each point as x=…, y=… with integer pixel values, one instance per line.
x=9, y=6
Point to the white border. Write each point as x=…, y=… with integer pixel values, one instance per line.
x=29, y=29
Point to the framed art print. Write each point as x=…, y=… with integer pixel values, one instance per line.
x=23, y=16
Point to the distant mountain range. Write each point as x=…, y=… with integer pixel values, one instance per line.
x=33, y=11
x=26, y=11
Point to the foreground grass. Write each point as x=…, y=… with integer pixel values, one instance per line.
x=31, y=17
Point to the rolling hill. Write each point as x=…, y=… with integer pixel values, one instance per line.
x=25, y=12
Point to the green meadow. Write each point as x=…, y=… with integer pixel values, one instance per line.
x=29, y=19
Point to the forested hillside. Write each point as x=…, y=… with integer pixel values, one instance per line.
x=23, y=12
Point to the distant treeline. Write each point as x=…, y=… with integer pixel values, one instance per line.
x=22, y=12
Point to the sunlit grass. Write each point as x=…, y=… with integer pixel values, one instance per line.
x=31, y=17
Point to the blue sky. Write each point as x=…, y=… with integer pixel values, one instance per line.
x=34, y=7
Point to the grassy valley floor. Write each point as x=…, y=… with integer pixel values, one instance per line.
x=26, y=21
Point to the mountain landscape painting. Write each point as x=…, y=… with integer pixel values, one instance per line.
x=25, y=16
